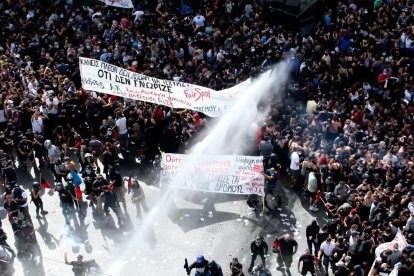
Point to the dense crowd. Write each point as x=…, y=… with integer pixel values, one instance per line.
x=344, y=126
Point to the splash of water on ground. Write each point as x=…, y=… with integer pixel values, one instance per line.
x=227, y=136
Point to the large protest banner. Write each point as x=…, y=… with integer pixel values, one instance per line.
x=126, y=4
x=230, y=174
x=398, y=240
x=106, y=78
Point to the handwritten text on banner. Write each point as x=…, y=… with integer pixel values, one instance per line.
x=106, y=78
x=230, y=174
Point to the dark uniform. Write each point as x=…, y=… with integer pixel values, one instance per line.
x=258, y=248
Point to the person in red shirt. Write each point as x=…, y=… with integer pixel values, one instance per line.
x=322, y=160
x=382, y=78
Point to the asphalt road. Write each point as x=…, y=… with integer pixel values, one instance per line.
x=183, y=225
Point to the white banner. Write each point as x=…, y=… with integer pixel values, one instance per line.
x=126, y=4
x=394, y=272
x=103, y=77
x=229, y=174
x=399, y=239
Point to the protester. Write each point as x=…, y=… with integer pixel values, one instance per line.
x=326, y=253
x=345, y=119
x=79, y=267
x=260, y=270
x=285, y=247
x=138, y=197
x=308, y=263
x=37, y=199
x=258, y=247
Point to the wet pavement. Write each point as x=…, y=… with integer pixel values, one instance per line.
x=217, y=226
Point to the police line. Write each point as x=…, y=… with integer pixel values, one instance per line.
x=230, y=174
x=106, y=78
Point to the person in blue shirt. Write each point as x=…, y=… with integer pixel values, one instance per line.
x=272, y=185
x=109, y=202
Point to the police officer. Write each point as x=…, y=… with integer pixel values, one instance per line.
x=36, y=198
x=89, y=176
x=65, y=200
x=258, y=248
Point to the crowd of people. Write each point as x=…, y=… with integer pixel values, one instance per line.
x=343, y=130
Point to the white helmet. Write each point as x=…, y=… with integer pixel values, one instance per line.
x=88, y=155
x=48, y=144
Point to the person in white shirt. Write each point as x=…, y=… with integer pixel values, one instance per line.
x=199, y=21
x=389, y=157
x=411, y=205
x=33, y=85
x=121, y=124
x=294, y=166
x=21, y=196
x=37, y=123
x=326, y=252
x=52, y=104
x=138, y=14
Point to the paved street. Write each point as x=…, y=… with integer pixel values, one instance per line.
x=216, y=225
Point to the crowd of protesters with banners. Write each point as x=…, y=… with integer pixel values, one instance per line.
x=343, y=131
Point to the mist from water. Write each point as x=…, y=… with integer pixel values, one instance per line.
x=227, y=136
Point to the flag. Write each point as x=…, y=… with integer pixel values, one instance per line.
x=44, y=183
x=78, y=192
x=76, y=178
x=78, y=144
x=319, y=196
x=129, y=182
x=276, y=244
